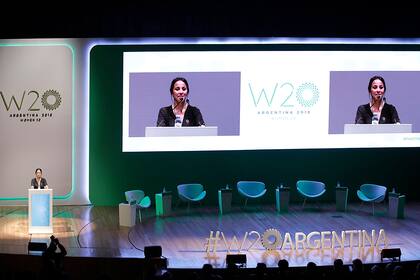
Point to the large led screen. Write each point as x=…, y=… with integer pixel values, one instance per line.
x=270, y=97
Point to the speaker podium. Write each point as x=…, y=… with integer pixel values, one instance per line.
x=40, y=208
x=377, y=128
x=162, y=131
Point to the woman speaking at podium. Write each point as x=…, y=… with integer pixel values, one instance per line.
x=180, y=113
x=39, y=182
x=377, y=111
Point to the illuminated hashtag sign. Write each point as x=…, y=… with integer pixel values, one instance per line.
x=272, y=239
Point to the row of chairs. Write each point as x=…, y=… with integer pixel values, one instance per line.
x=253, y=189
x=371, y=193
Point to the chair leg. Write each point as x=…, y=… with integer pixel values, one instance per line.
x=304, y=201
x=246, y=201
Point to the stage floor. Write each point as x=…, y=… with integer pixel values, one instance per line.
x=95, y=232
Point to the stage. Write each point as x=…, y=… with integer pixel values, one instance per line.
x=90, y=231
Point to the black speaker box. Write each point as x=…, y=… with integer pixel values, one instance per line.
x=391, y=253
x=37, y=246
x=236, y=259
x=152, y=252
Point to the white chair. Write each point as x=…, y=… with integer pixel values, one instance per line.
x=138, y=198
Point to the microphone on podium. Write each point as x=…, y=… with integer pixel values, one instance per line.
x=178, y=122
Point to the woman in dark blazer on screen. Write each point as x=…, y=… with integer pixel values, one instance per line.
x=377, y=111
x=180, y=113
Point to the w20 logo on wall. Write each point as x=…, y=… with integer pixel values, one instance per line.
x=31, y=101
x=285, y=95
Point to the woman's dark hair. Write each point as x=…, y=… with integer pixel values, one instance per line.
x=36, y=170
x=376, y=78
x=179, y=79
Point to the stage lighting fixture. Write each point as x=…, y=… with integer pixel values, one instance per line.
x=153, y=257
x=152, y=252
x=391, y=253
x=38, y=247
x=237, y=259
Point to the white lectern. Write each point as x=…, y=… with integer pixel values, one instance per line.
x=40, y=210
x=153, y=131
x=377, y=128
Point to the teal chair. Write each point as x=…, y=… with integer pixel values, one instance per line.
x=251, y=189
x=138, y=198
x=191, y=193
x=372, y=193
x=310, y=189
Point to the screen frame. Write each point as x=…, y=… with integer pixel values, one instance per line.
x=376, y=46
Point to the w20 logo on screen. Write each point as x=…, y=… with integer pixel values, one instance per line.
x=32, y=101
x=285, y=95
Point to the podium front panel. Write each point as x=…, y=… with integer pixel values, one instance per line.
x=40, y=210
x=377, y=128
x=161, y=131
